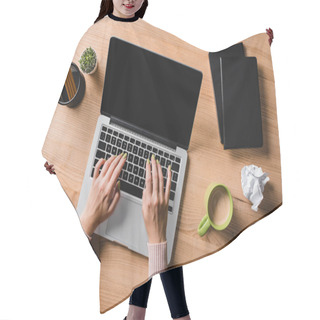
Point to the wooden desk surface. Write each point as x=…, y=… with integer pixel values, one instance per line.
x=69, y=139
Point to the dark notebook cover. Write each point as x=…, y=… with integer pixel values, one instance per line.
x=242, y=125
x=214, y=59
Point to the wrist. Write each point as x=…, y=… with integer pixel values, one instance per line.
x=157, y=239
x=87, y=224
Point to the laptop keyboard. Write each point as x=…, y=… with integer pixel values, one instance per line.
x=132, y=176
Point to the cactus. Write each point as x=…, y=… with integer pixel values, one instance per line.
x=88, y=60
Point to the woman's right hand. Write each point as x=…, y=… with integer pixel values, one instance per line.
x=155, y=202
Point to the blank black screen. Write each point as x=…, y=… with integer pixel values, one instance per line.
x=150, y=91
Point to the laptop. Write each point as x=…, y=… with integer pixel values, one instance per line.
x=148, y=107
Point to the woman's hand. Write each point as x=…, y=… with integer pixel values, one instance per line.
x=104, y=193
x=155, y=202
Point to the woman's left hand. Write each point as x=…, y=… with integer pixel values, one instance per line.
x=104, y=193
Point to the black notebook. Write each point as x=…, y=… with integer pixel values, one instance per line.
x=242, y=125
x=214, y=59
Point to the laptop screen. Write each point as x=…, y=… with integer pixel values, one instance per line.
x=150, y=91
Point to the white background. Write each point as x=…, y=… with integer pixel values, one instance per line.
x=47, y=267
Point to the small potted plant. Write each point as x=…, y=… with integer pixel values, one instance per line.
x=88, y=61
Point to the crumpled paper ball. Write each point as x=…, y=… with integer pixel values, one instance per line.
x=253, y=180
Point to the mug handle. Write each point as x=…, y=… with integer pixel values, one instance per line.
x=203, y=226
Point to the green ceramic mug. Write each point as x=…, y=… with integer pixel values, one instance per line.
x=219, y=208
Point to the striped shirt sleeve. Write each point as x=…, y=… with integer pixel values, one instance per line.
x=157, y=257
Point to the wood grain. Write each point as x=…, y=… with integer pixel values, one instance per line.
x=69, y=138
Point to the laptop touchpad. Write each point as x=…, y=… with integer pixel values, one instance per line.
x=126, y=226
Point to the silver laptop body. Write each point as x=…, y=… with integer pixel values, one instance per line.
x=136, y=81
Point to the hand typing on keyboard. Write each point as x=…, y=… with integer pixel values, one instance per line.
x=104, y=193
x=155, y=201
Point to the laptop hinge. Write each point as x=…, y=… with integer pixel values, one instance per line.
x=143, y=133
